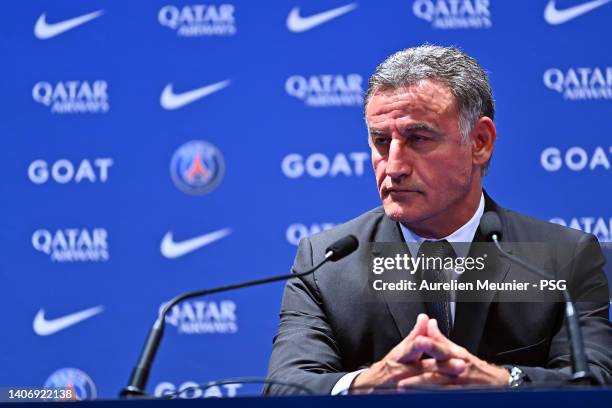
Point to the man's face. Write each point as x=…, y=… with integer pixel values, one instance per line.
x=423, y=170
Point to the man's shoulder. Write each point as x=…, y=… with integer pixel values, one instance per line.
x=363, y=227
x=520, y=227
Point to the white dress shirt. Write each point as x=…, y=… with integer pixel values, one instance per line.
x=464, y=234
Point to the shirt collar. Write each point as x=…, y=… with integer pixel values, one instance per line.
x=464, y=234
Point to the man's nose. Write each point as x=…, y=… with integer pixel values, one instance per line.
x=399, y=163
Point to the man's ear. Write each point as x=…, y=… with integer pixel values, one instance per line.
x=482, y=138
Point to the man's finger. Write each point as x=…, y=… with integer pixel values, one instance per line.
x=420, y=327
x=408, y=352
x=404, y=352
x=433, y=330
x=436, y=348
x=426, y=379
x=452, y=367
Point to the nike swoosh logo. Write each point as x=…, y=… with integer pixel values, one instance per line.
x=44, y=30
x=298, y=24
x=171, y=101
x=554, y=16
x=171, y=249
x=44, y=327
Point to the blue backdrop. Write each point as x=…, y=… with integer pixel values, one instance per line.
x=155, y=147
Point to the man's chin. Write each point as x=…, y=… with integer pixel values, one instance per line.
x=405, y=216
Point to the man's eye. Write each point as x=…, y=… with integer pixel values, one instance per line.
x=419, y=138
x=381, y=141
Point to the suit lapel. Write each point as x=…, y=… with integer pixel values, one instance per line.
x=472, y=308
x=404, y=306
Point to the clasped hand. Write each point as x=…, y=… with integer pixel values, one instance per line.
x=447, y=363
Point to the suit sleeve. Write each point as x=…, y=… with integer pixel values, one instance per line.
x=589, y=289
x=304, y=350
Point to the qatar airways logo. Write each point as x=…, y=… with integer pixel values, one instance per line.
x=200, y=317
x=319, y=165
x=73, y=244
x=199, y=20
x=601, y=227
x=453, y=14
x=576, y=158
x=326, y=90
x=580, y=84
x=72, y=97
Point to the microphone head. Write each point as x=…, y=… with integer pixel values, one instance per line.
x=342, y=247
x=490, y=225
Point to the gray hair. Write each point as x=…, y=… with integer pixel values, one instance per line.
x=466, y=79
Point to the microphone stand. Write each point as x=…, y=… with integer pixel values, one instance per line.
x=581, y=374
x=140, y=373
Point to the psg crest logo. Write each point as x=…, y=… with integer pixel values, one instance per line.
x=72, y=378
x=197, y=167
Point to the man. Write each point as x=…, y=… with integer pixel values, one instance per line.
x=429, y=112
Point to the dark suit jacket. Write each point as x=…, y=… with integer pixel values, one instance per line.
x=328, y=327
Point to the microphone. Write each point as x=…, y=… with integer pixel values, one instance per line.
x=341, y=248
x=491, y=227
x=140, y=374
